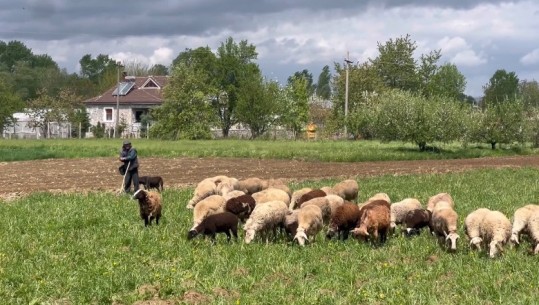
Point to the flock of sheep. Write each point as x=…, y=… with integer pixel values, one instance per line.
x=220, y=203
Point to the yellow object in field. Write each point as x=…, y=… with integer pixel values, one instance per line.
x=311, y=131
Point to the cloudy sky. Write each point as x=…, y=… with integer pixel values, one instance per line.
x=290, y=35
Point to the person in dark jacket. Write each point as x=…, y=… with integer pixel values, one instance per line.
x=128, y=155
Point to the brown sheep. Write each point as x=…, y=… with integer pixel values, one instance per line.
x=150, y=206
x=345, y=219
x=241, y=206
x=310, y=195
x=374, y=222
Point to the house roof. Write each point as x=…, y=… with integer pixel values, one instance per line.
x=147, y=90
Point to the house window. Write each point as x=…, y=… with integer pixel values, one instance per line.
x=107, y=114
x=139, y=114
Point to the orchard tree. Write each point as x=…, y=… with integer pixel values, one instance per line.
x=447, y=81
x=502, y=86
x=503, y=122
x=323, y=86
x=295, y=109
x=529, y=91
x=11, y=103
x=186, y=112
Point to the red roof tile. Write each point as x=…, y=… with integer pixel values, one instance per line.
x=137, y=95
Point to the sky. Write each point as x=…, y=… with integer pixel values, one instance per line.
x=479, y=37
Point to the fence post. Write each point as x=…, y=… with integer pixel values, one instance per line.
x=80, y=130
x=147, y=130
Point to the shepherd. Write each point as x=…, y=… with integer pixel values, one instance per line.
x=128, y=155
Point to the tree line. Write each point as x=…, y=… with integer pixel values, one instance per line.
x=398, y=95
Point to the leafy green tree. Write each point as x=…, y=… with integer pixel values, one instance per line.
x=323, y=86
x=529, y=91
x=502, y=86
x=308, y=77
x=396, y=65
x=11, y=103
x=428, y=67
x=295, y=110
x=447, y=81
x=186, y=112
x=258, y=105
x=13, y=52
x=158, y=69
x=95, y=69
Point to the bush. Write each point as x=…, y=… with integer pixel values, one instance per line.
x=99, y=130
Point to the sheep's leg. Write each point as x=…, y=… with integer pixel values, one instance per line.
x=146, y=221
x=235, y=233
x=157, y=220
x=383, y=236
x=344, y=234
x=227, y=232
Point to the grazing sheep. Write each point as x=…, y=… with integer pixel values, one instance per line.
x=309, y=223
x=495, y=231
x=279, y=184
x=323, y=204
x=232, y=194
x=520, y=221
x=226, y=185
x=533, y=230
x=443, y=224
x=271, y=194
x=291, y=223
x=416, y=220
x=472, y=224
x=374, y=221
x=399, y=210
x=241, y=206
x=217, y=223
x=431, y=204
x=310, y=195
x=379, y=196
x=265, y=217
x=296, y=195
x=150, y=206
x=343, y=220
x=334, y=202
x=150, y=182
x=347, y=190
x=252, y=185
x=204, y=188
x=213, y=204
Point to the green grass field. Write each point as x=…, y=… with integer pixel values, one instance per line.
x=340, y=151
x=94, y=249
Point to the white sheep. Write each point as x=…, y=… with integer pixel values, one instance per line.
x=265, y=217
x=520, y=221
x=472, y=224
x=495, y=231
x=208, y=206
x=252, y=185
x=296, y=195
x=347, y=189
x=309, y=223
x=271, y=194
x=444, y=224
x=203, y=189
x=279, y=184
x=334, y=202
x=233, y=194
x=323, y=204
x=399, y=210
x=433, y=201
x=379, y=196
x=533, y=230
x=227, y=185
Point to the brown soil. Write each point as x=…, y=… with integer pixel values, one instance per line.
x=101, y=174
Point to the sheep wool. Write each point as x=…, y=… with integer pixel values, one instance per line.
x=252, y=185
x=271, y=194
x=208, y=206
x=520, y=221
x=444, y=224
x=345, y=219
x=495, y=230
x=433, y=200
x=309, y=223
x=296, y=195
x=150, y=206
x=471, y=226
x=347, y=189
x=533, y=229
x=265, y=217
x=399, y=210
x=323, y=204
x=204, y=188
x=217, y=223
x=374, y=221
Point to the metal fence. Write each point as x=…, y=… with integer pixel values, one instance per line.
x=23, y=130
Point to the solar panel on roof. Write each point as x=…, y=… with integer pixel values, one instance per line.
x=124, y=88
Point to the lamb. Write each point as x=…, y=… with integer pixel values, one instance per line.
x=149, y=182
x=495, y=230
x=433, y=200
x=443, y=224
x=415, y=220
x=265, y=217
x=375, y=219
x=399, y=210
x=323, y=204
x=150, y=205
x=310, y=195
x=347, y=190
x=271, y=194
x=309, y=223
x=241, y=206
x=296, y=195
x=520, y=221
x=213, y=204
x=343, y=220
x=472, y=223
x=225, y=222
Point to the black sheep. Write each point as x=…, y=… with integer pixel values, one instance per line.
x=241, y=206
x=151, y=182
x=415, y=220
x=225, y=222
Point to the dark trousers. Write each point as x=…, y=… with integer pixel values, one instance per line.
x=131, y=176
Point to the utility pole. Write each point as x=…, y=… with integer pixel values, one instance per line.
x=116, y=120
x=348, y=62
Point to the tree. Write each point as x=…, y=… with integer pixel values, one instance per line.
x=428, y=67
x=308, y=77
x=396, y=65
x=186, y=112
x=258, y=104
x=323, y=87
x=295, y=111
x=95, y=69
x=158, y=69
x=529, y=91
x=11, y=103
x=447, y=81
x=502, y=86
x=14, y=52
